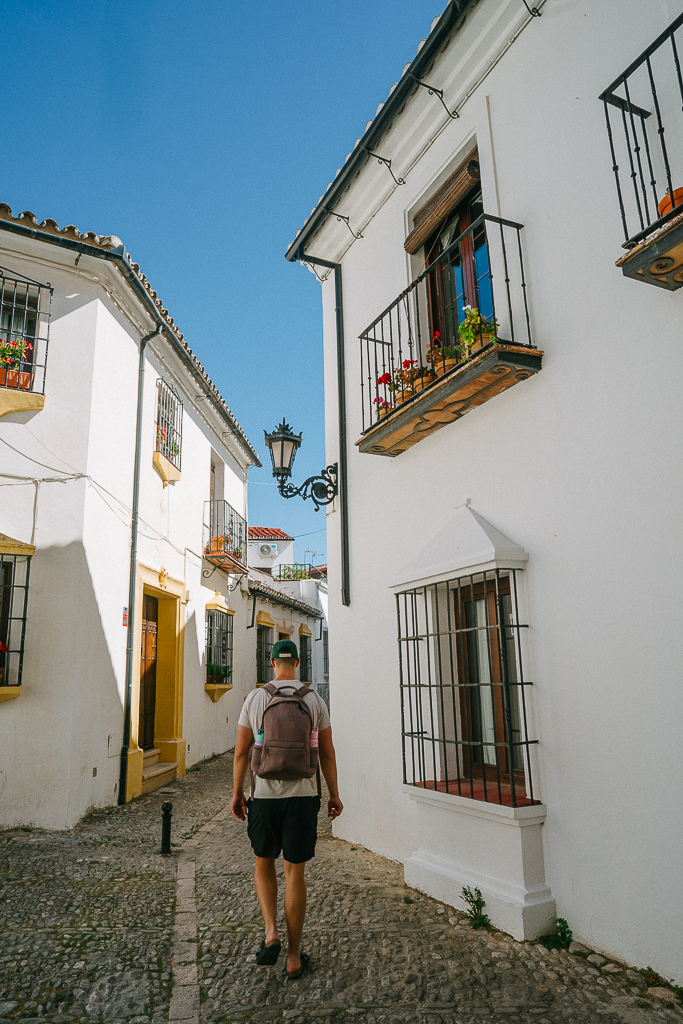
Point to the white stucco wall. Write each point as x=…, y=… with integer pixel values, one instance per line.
x=579, y=465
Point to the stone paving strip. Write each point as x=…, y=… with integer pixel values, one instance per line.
x=96, y=926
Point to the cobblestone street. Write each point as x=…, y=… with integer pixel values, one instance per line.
x=96, y=925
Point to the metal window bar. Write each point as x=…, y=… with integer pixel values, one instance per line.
x=648, y=97
x=14, y=582
x=401, y=354
x=219, y=646
x=264, y=644
x=225, y=536
x=169, y=423
x=326, y=653
x=306, y=666
x=25, y=312
x=295, y=571
x=464, y=717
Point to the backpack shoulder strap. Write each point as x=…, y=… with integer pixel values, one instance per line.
x=303, y=691
x=269, y=688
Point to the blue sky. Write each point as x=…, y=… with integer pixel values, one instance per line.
x=202, y=134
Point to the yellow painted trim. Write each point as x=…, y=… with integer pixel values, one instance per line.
x=264, y=619
x=15, y=400
x=10, y=546
x=168, y=727
x=9, y=692
x=218, y=603
x=165, y=468
x=216, y=690
x=304, y=631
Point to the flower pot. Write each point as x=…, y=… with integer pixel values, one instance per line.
x=15, y=379
x=216, y=545
x=444, y=366
x=382, y=412
x=481, y=340
x=424, y=381
x=402, y=396
x=664, y=206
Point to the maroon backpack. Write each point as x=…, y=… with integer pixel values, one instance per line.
x=282, y=747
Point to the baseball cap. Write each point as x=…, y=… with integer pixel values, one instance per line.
x=284, y=649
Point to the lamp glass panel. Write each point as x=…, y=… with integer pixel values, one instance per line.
x=287, y=454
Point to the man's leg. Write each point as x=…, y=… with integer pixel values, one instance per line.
x=265, y=883
x=295, y=911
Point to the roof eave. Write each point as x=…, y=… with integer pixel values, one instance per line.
x=448, y=23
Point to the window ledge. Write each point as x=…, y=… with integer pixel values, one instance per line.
x=9, y=692
x=17, y=400
x=534, y=814
x=216, y=690
x=497, y=368
x=165, y=468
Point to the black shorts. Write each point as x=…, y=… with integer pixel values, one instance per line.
x=290, y=825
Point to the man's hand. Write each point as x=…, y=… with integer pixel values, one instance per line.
x=239, y=806
x=334, y=807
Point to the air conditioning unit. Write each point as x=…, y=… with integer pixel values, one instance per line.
x=268, y=550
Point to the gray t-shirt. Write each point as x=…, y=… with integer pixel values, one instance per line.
x=251, y=717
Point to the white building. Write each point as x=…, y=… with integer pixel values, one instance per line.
x=67, y=466
x=504, y=557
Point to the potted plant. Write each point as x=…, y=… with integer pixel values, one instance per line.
x=440, y=357
x=217, y=674
x=383, y=407
x=12, y=356
x=476, y=331
x=424, y=376
x=664, y=204
x=219, y=543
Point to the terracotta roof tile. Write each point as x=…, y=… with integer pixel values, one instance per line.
x=268, y=533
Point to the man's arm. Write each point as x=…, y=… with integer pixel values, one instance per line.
x=245, y=738
x=328, y=764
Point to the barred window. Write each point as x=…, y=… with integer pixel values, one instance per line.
x=14, y=579
x=25, y=309
x=169, y=423
x=264, y=643
x=463, y=704
x=219, y=646
x=305, y=668
x=326, y=654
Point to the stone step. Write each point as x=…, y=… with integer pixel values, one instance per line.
x=150, y=757
x=158, y=775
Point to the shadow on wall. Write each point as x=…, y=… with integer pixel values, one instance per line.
x=54, y=738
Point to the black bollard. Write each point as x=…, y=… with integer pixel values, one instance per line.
x=166, y=815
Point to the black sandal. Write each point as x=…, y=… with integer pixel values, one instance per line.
x=305, y=964
x=267, y=955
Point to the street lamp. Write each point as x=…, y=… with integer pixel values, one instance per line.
x=284, y=444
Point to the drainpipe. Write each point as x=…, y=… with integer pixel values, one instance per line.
x=123, y=777
x=341, y=402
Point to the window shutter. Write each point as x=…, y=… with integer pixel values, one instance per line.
x=445, y=199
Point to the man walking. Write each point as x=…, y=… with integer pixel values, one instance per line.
x=283, y=814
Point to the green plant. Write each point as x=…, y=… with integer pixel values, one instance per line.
x=476, y=903
x=437, y=351
x=474, y=325
x=560, y=938
x=651, y=978
x=678, y=992
x=407, y=899
x=13, y=352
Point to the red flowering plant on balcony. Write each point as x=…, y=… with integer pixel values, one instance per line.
x=437, y=352
x=3, y=648
x=163, y=444
x=13, y=352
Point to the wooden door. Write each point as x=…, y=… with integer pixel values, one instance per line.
x=148, y=671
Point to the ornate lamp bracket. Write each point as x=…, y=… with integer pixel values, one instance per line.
x=387, y=163
x=321, y=489
x=435, y=92
x=340, y=217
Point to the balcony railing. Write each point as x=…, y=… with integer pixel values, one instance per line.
x=472, y=298
x=295, y=571
x=643, y=115
x=25, y=308
x=225, y=537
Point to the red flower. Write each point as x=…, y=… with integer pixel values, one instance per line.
x=436, y=336
x=384, y=379
x=3, y=648
x=30, y=347
x=407, y=363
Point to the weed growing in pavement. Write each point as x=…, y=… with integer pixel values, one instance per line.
x=560, y=938
x=407, y=899
x=651, y=978
x=476, y=902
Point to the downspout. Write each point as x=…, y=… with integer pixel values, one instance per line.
x=123, y=777
x=341, y=402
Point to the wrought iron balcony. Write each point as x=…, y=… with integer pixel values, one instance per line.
x=456, y=337
x=295, y=571
x=643, y=117
x=225, y=537
x=25, y=307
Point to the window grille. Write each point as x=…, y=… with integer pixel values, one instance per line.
x=305, y=668
x=326, y=654
x=14, y=579
x=463, y=703
x=264, y=643
x=219, y=646
x=25, y=308
x=169, y=424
